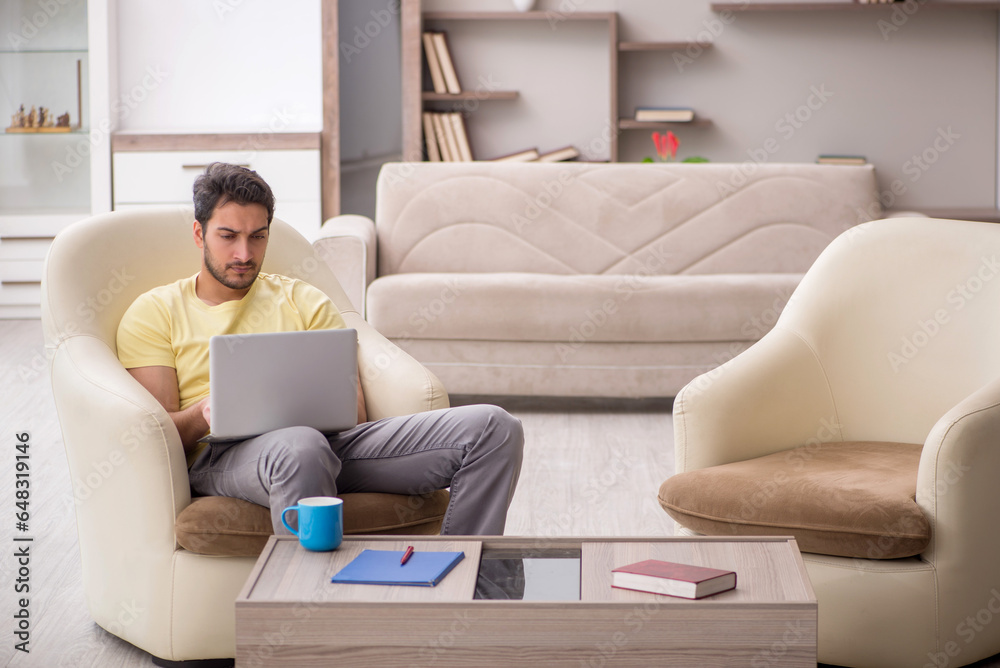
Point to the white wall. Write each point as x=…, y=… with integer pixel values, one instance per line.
x=219, y=66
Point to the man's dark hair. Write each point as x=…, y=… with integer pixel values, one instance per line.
x=222, y=183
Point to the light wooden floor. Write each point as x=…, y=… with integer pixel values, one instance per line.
x=590, y=468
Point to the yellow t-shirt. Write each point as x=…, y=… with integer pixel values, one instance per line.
x=170, y=326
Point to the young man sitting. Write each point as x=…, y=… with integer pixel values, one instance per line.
x=163, y=342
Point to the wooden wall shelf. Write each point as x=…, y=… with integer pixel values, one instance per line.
x=843, y=5
x=428, y=96
x=518, y=16
x=626, y=47
x=632, y=124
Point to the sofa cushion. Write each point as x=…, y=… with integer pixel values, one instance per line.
x=608, y=308
x=852, y=499
x=224, y=526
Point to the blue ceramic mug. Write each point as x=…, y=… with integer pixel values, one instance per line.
x=321, y=522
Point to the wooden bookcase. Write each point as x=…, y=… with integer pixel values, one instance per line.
x=655, y=48
x=415, y=98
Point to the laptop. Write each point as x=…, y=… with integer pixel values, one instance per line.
x=263, y=382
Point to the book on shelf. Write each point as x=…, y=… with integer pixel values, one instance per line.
x=433, y=64
x=447, y=66
x=461, y=138
x=446, y=137
x=422, y=569
x=430, y=138
x=521, y=156
x=442, y=138
x=449, y=136
x=664, y=114
x=841, y=160
x=560, y=154
x=673, y=579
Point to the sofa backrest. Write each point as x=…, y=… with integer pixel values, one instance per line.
x=619, y=218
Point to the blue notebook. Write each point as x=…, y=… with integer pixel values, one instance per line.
x=422, y=569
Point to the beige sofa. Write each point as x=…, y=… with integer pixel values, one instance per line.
x=582, y=279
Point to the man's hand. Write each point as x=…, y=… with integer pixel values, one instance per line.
x=206, y=410
x=161, y=381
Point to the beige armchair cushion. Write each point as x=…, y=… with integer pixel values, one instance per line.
x=223, y=526
x=849, y=499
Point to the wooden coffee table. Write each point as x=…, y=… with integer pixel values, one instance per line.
x=290, y=614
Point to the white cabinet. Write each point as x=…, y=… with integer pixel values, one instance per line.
x=47, y=52
x=143, y=178
x=153, y=70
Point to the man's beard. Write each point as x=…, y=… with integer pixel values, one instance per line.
x=238, y=282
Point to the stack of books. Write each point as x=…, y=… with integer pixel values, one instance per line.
x=445, y=137
x=444, y=78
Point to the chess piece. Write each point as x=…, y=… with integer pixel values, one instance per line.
x=18, y=120
x=63, y=121
x=33, y=118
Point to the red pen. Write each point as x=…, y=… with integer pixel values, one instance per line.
x=406, y=555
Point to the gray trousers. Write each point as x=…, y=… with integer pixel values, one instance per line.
x=474, y=450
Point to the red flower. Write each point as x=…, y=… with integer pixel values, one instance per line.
x=666, y=145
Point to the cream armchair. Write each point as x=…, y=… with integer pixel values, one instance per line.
x=892, y=337
x=125, y=456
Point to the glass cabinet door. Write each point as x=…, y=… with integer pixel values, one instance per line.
x=45, y=155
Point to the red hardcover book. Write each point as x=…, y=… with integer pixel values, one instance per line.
x=670, y=579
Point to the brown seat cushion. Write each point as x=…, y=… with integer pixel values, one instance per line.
x=853, y=499
x=224, y=526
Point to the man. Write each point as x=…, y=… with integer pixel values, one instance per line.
x=163, y=342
